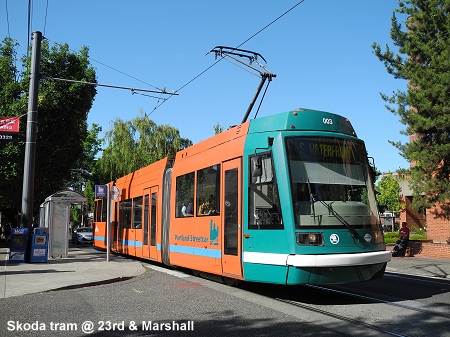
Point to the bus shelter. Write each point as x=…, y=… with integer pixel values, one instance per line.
x=55, y=215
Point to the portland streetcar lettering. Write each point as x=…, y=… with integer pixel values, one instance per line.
x=191, y=238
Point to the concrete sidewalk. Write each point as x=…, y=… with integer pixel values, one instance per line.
x=84, y=265
x=420, y=266
x=87, y=265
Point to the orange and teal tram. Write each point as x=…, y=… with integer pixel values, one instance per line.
x=284, y=199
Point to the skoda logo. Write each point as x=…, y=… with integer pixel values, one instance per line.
x=334, y=239
x=368, y=237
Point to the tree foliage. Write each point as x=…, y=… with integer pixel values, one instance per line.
x=62, y=131
x=134, y=144
x=388, y=195
x=218, y=128
x=423, y=59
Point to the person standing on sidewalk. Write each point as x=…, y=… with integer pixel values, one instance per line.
x=402, y=243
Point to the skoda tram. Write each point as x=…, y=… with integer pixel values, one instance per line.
x=284, y=199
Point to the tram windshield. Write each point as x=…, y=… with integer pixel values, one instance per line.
x=330, y=183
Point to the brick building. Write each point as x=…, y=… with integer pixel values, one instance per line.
x=436, y=220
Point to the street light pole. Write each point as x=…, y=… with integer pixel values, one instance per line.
x=30, y=144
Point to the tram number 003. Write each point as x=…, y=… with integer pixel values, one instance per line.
x=327, y=121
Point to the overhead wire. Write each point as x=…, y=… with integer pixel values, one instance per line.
x=137, y=79
x=112, y=68
x=46, y=13
x=29, y=27
x=221, y=58
x=7, y=18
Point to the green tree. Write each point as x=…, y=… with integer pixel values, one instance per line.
x=10, y=93
x=62, y=119
x=218, y=128
x=134, y=144
x=423, y=59
x=388, y=195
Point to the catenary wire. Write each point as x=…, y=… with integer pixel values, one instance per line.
x=46, y=13
x=7, y=18
x=220, y=59
x=112, y=68
x=187, y=83
x=29, y=28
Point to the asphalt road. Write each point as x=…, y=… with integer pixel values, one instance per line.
x=165, y=302
x=154, y=304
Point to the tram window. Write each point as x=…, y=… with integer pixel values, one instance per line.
x=126, y=213
x=153, y=221
x=99, y=211
x=104, y=211
x=185, y=195
x=146, y=210
x=208, y=189
x=137, y=212
x=261, y=169
x=264, y=201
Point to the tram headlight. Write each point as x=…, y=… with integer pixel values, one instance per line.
x=310, y=239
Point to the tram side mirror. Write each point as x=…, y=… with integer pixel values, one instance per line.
x=372, y=169
x=256, y=166
x=261, y=169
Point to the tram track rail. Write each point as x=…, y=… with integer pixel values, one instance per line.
x=341, y=317
x=340, y=297
x=327, y=305
x=378, y=300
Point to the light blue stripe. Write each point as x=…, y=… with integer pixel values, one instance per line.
x=132, y=243
x=215, y=253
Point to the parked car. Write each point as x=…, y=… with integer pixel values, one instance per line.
x=82, y=235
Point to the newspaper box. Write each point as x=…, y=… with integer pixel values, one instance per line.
x=18, y=245
x=39, y=245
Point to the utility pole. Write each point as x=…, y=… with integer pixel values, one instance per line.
x=30, y=145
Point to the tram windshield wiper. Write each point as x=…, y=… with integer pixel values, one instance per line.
x=353, y=232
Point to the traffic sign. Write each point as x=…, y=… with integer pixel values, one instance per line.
x=101, y=191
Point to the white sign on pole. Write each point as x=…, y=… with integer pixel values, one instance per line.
x=115, y=193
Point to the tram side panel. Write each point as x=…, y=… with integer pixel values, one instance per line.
x=99, y=223
x=137, y=217
x=195, y=239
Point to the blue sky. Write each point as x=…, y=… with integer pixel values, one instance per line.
x=320, y=51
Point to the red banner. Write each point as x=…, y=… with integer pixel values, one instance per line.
x=10, y=124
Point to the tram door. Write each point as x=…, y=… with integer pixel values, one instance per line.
x=150, y=221
x=232, y=224
x=117, y=228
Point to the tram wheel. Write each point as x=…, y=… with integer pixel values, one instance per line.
x=195, y=273
x=230, y=281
